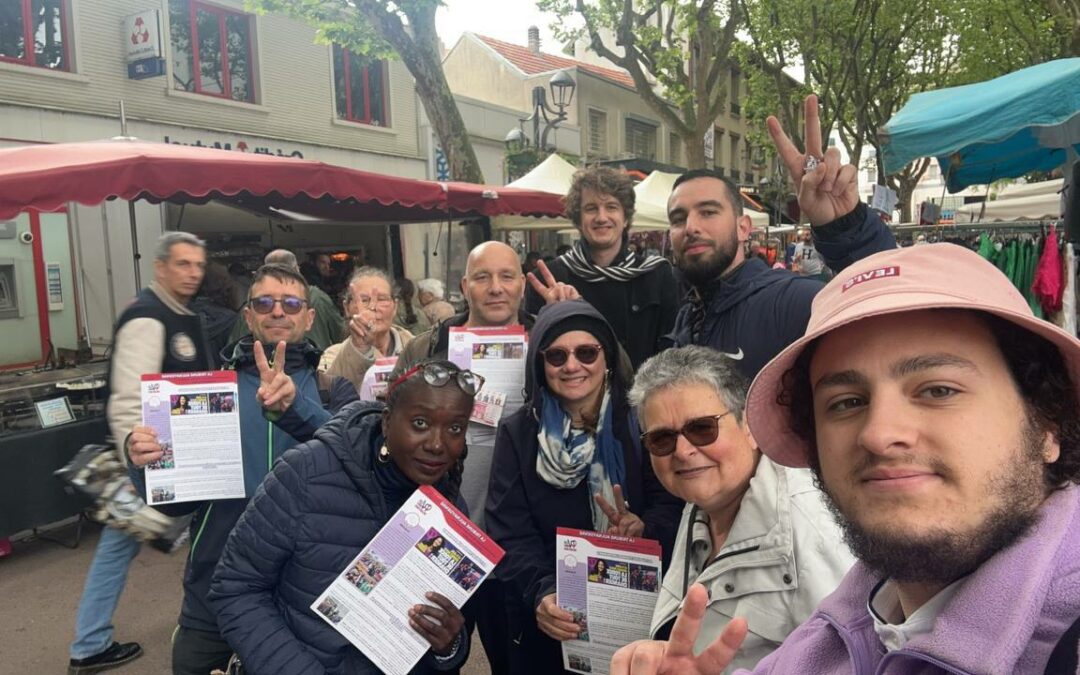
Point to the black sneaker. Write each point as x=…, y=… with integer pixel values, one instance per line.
x=116, y=655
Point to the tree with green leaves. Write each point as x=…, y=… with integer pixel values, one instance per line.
x=382, y=29
x=864, y=58
x=676, y=51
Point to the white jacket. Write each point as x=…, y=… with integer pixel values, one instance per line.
x=784, y=553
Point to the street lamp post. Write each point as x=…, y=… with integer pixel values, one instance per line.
x=562, y=92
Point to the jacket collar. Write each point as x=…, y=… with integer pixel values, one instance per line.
x=171, y=301
x=1018, y=599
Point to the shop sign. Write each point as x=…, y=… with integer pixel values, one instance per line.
x=239, y=146
x=142, y=36
x=142, y=45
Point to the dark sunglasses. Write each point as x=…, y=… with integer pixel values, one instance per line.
x=699, y=431
x=437, y=376
x=558, y=356
x=264, y=304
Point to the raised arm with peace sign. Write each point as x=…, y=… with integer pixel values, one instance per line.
x=827, y=190
x=276, y=391
x=549, y=289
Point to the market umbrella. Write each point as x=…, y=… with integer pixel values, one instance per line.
x=45, y=177
x=1025, y=121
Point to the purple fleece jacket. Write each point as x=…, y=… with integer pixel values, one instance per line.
x=1005, y=618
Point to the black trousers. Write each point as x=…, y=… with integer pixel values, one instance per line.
x=487, y=610
x=197, y=652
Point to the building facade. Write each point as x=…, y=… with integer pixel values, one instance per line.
x=251, y=83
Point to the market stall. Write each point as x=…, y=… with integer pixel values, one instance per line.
x=44, y=420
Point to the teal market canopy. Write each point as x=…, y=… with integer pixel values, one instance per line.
x=1002, y=128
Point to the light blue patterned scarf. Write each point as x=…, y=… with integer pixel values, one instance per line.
x=567, y=454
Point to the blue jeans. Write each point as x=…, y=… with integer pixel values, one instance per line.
x=104, y=584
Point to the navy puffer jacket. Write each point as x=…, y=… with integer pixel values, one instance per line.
x=312, y=515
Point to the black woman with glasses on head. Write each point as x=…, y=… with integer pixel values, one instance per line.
x=569, y=458
x=321, y=505
x=757, y=535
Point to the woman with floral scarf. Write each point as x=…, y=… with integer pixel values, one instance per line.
x=570, y=458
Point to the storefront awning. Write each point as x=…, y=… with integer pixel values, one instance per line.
x=46, y=177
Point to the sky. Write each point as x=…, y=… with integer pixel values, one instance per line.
x=507, y=20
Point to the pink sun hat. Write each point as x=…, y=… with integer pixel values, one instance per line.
x=911, y=279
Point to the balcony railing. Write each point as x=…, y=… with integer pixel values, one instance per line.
x=736, y=109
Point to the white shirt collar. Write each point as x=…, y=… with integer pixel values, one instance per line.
x=891, y=627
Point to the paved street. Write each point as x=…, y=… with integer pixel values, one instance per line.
x=40, y=585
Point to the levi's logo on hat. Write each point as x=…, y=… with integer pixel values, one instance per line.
x=870, y=275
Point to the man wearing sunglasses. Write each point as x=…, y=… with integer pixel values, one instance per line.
x=328, y=325
x=738, y=305
x=282, y=401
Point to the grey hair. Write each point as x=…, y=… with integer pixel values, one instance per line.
x=166, y=241
x=433, y=286
x=690, y=365
x=282, y=256
x=369, y=271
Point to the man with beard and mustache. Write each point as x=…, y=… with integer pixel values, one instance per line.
x=738, y=305
x=940, y=418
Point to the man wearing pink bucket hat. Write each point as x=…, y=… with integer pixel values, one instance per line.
x=940, y=418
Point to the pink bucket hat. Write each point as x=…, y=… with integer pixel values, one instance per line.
x=901, y=280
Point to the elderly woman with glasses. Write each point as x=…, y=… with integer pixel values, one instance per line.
x=757, y=535
x=321, y=505
x=370, y=311
x=570, y=458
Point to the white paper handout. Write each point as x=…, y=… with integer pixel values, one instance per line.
x=377, y=379
x=197, y=420
x=428, y=545
x=498, y=355
x=610, y=584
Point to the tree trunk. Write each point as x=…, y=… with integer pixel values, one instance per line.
x=694, y=146
x=449, y=127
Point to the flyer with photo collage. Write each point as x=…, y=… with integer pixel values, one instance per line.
x=376, y=380
x=498, y=355
x=428, y=545
x=197, y=420
x=610, y=584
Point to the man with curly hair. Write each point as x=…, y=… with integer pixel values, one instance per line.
x=636, y=293
x=940, y=418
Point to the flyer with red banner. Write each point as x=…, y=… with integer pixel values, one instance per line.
x=610, y=585
x=197, y=420
x=428, y=545
x=496, y=353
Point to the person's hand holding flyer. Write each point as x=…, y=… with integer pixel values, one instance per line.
x=608, y=586
x=190, y=438
x=401, y=595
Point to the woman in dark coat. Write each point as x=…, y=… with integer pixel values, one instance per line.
x=321, y=505
x=570, y=458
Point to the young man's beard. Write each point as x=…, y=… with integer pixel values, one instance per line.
x=705, y=270
x=942, y=555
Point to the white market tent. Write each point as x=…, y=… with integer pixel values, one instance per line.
x=554, y=175
x=1031, y=201
x=551, y=175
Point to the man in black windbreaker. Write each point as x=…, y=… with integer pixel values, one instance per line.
x=738, y=305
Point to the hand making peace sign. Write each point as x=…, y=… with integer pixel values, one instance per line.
x=276, y=390
x=623, y=522
x=826, y=191
x=676, y=656
x=550, y=290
